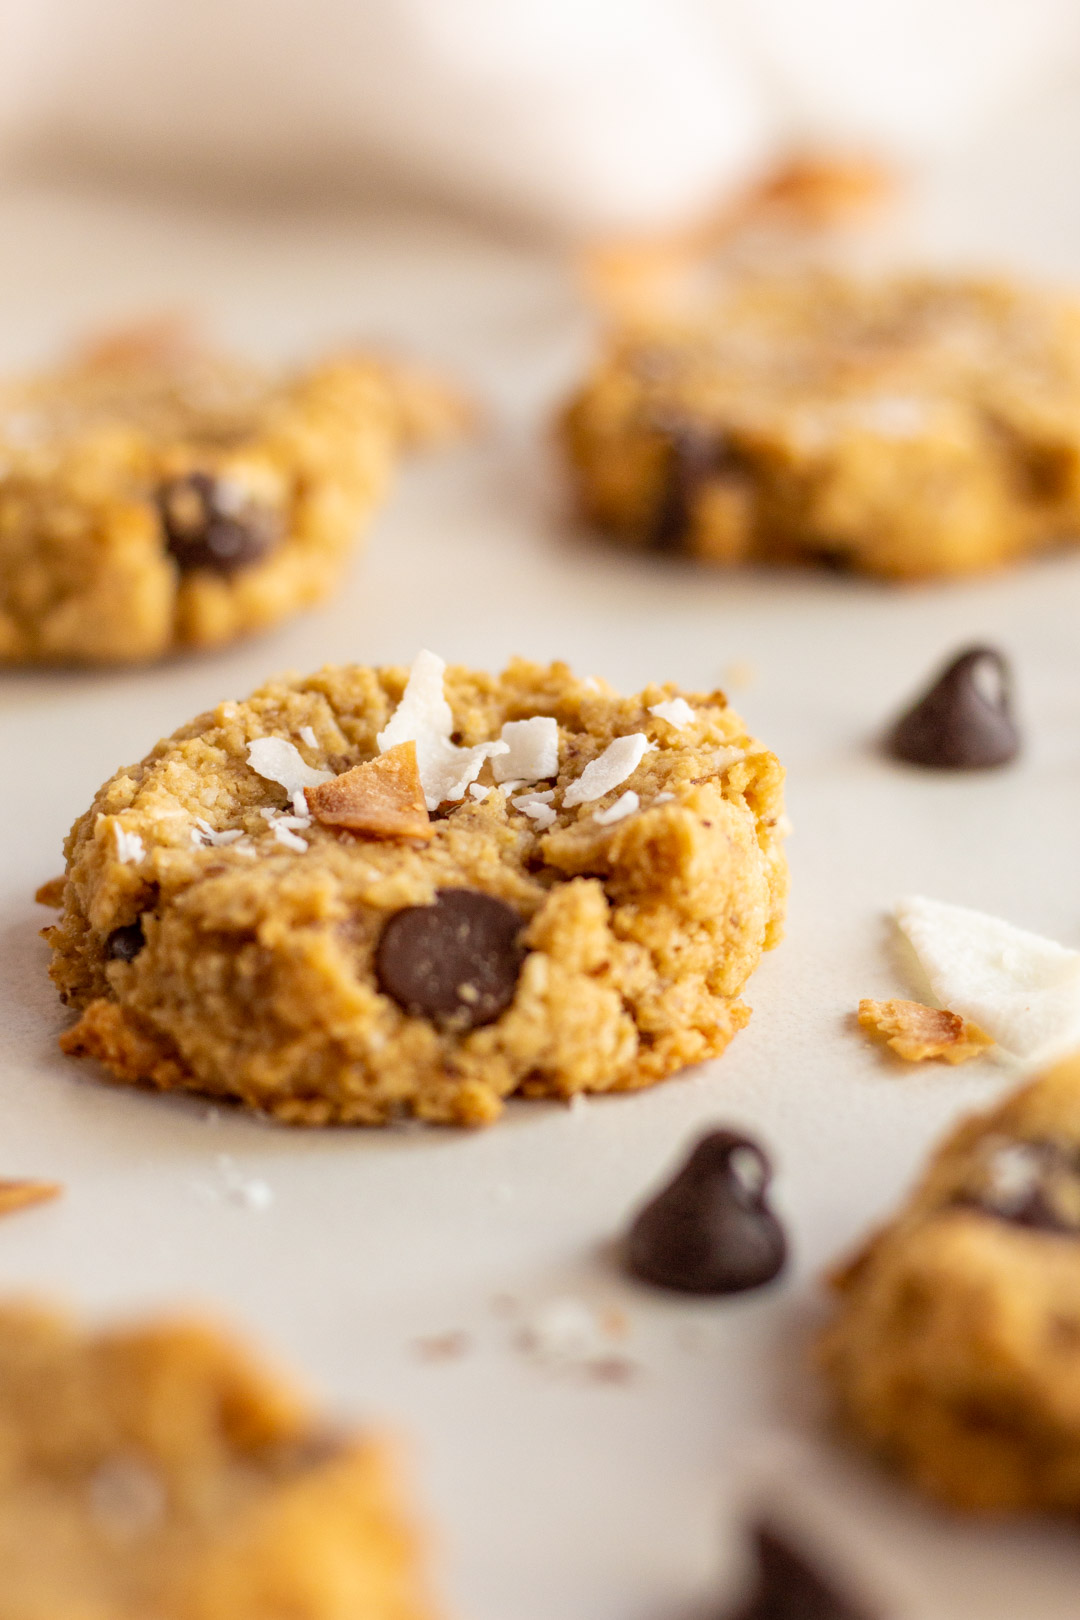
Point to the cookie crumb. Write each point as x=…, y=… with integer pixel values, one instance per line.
x=443, y=1346
x=51, y=893
x=916, y=1032
x=382, y=798
x=21, y=1194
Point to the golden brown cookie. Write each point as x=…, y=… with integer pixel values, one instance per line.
x=593, y=881
x=156, y=495
x=159, y=1470
x=905, y=427
x=955, y=1352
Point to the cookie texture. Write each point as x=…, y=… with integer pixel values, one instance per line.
x=155, y=495
x=906, y=427
x=590, y=932
x=955, y=1352
x=159, y=1470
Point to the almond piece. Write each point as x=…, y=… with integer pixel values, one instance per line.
x=916, y=1032
x=18, y=1194
x=382, y=798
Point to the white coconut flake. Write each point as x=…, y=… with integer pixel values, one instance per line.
x=663, y=798
x=1022, y=989
x=532, y=750
x=202, y=834
x=232, y=1186
x=130, y=849
x=624, y=806
x=610, y=769
x=307, y=735
x=724, y=758
x=478, y=791
x=676, y=711
x=591, y=684
x=537, y=807
x=281, y=761
x=425, y=718
x=285, y=835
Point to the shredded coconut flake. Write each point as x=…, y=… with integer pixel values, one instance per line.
x=663, y=798
x=281, y=761
x=202, y=834
x=130, y=849
x=537, y=807
x=532, y=750
x=1022, y=989
x=676, y=711
x=478, y=791
x=624, y=806
x=232, y=1186
x=307, y=735
x=425, y=718
x=284, y=835
x=591, y=684
x=619, y=760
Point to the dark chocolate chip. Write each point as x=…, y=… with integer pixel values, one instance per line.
x=455, y=961
x=711, y=1230
x=124, y=944
x=694, y=453
x=964, y=722
x=788, y=1587
x=1034, y=1184
x=208, y=524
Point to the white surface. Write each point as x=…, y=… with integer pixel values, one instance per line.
x=555, y=1496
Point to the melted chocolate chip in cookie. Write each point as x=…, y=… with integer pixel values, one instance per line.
x=694, y=453
x=964, y=722
x=124, y=944
x=456, y=961
x=711, y=1231
x=788, y=1587
x=210, y=523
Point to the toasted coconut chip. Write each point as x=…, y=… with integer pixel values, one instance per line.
x=51, y=893
x=19, y=1194
x=916, y=1032
x=383, y=798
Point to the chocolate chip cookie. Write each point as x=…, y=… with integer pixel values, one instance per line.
x=372, y=892
x=157, y=495
x=955, y=1353
x=159, y=1470
x=905, y=427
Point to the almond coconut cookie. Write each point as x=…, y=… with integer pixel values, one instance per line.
x=955, y=1353
x=370, y=893
x=155, y=495
x=905, y=427
x=159, y=1470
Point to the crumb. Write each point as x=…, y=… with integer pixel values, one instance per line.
x=739, y=675
x=611, y=1370
x=21, y=1194
x=916, y=1032
x=51, y=893
x=442, y=1346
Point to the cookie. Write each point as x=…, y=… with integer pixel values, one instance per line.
x=904, y=427
x=955, y=1352
x=155, y=495
x=350, y=898
x=160, y=1470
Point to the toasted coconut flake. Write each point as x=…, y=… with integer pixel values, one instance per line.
x=916, y=1032
x=20, y=1194
x=533, y=750
x=619, y=760
x=383, y=798
x=51, y=893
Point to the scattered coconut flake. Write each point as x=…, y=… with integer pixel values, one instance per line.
x=591, y=684
x=569, y=1336
x=676, y=711
x=130, y=849
x=307, y=735
x=511, y=787
x=127, y=1498
x=536, y=807
x=724, y=758
x=1021, y=989
x=425, y=718
x=624, y=806
x=285, y=835
x=202, y=834
x=619, y=760
x=281, y=761
x=478, y=791
x=663, y=798
x=532, y=750
x=233, y=1187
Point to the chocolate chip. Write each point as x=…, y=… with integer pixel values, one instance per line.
x=788, y=1587
x=455, y=961
x=211, y=524
x=694, y=453
x=711, y=1230
x=124, y=944
x=1034, y=1184
x=964, y=722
